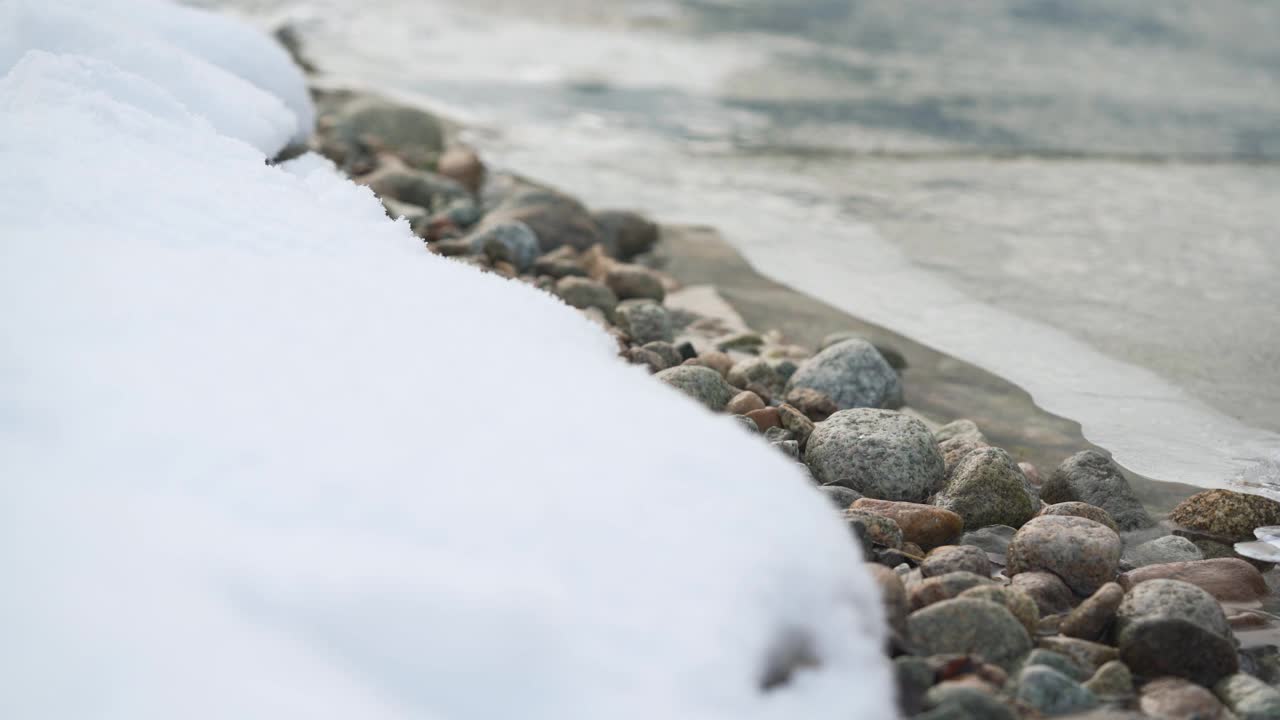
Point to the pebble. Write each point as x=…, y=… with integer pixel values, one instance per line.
x=754, y=371
x=583, y=293
x=641, y=356
x=556, y=218
x=893, y=595
x=462, y=165
x=406, y=131
x=1112, y=680
x=716, y=360
x=943, y=587
x=1232, y=515
x=795, y=421
x=1093, y=616
x=778, y=434
x=969, y=626
x=1084, y=553
x=841, y=497
x=747, y=423
x=744, y=402
x=853, y=374
x=687, y=351
x=702, y=384
x=747, y=341
x=914, y=678
x=956, y=449
x=925, y=525
x=1081, y=509
x=1057, y=661
x=959, y=702
x=815, y=405
x=994, y=539
x=1248, y=697
x=987, y=488
x=1088, y=654
x=790, y=448
x=954, y=558
x=668, y=352
x=1091, y=477
x=1160, y=620
x=644, y=320
x=1226, y=579
x=878, y=530
x=1172, y=698
x=766, y=417
x=633, y=281
x=418, y=187
x=880, y=453
x=1052, y=693
x=1167, y=549
x=1015, y=601
x=963, y=427
x=626, y=233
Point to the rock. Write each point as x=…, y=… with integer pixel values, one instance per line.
x=841, y=497
x=878, y=530
x=994, y=540
x=1162, y=550
x=1053, y=693
x=1057, y=661
x=766, y=418
x=968, y=626
x=1092, y=617
x=557, y=219
x=925, y=525
x=790, y=448
x=1112, y=680
x=702, y=384
x=914, y=678
x=1014, y=600
x=717, y=361
x=1032, y=474
x=744, y=402
x=633, y=281
x=511, y=242
x=747, y=341
x=583, y=293
x=644, y=320
x=1248, y=697
x=853, y=374
x=1176, y=699
x=1088, y=654
x=892, y=594
x=795, y=421
x=956, y=449
x=649, y=358
x=1159, y=620
x=1226, y=579
x=1081, y=509
x=959, y=428
x=627, y=233
x=1091, y=477
x=785, y=369
x=1048, y=591
x=960, y=702
x=880, y=453
x=1262, y=662
x=418, y=187
x=1084, y=553
x=943, y=587
x=666, y=350
x=1231, y=515
x=413, y=134
x=987, y=488
x=687, y=351
x=746, y=423
x=815, y=405
x=755, y=370
x=462, y=165
x=954, y=558
x=778, y=433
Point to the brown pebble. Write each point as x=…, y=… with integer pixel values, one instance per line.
x=1226, y=579
x=463, y=165
x=1052, y=595
x=744, y=402
x=926, y=525
x=717, y=361
x=815, y=405
x=765, y=418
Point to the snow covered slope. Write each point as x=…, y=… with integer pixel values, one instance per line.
x=261, y=456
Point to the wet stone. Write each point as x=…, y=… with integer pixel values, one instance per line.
x=953, y=558
x=1084, y=553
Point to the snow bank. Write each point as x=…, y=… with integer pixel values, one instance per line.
x=243, y=83
x=263, y=457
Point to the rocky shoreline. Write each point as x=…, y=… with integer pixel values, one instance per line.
x=1010, y=589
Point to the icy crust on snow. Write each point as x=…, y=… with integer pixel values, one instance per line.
x=263, y=457
x=243, y=83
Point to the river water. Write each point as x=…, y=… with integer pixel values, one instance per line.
x=1082, y=196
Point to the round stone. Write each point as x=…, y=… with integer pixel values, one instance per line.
x=853, y=374
x=744, y=402
x=987, y=488
x=877, y=529
x=969, y=627
x=1094, y=615
x=1167, y=549
x=644, y=320
x=1053, y=693
x=1231, y=515
x=633, y=281
x=1048, y=591
x=1226, y=579
x=925, y=525
x=943, y=587
x=1084, y=553
x=1091, y=477
x=1112, y=680
x=880, y=453
x=1248, y=697
x=841, y=497
x=702, y=384
x=1057, y=661
x=755, y=370
x=1176, y=699
x=953, y=558
x=1159, y=620
x=1015, y=601
x=581, y=292
x=1081, y=509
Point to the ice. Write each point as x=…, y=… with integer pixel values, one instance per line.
x=244, y=84
x=261, y=456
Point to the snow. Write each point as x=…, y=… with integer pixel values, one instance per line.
x=242, y=83
x=261, y=456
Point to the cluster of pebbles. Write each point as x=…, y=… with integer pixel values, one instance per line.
x=1007, y=595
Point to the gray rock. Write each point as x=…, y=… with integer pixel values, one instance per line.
x=626, y=233
x=1057, y=661
x=987, y=488
x=668, y=352
x=1167, y=549
x=914, y=677
x=878, y=530
x=994, y=539
x=795, y=421
x=968, y=626
x=1048, y=591
x=700, y=383
x=1091, y=477
x=959, y=428
x=1053, y=693
x=1015, y=601
x=958, y=702
x=1172, y=698
x=644, y=320
x=584, y=293
x=880, y=453
x=944, y=587
x=954, y=558
x=1112, y=680
x=747, y=423
x=778, y=434
x=1248, y=697
x=785, y=368
x=853, y=374
x=512, y=242
x=790, y=448
x=633, y=281
x=1081, y=509
x=841, y=497
x=1092, y=617
x=1088, y=654
x=1084, y=553
x=747, y=341
x=755, y=370
x=409, y=132
x=554, y=217
x=1158, y=621
x=417, y=187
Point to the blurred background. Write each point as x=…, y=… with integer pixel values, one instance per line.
x=1080, y=195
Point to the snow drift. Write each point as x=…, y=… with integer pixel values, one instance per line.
x=261, y=456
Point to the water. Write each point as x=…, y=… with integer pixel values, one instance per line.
x=1081, y=196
